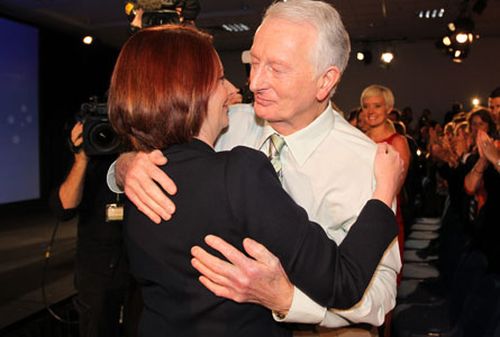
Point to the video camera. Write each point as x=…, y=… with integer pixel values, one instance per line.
x=99, y=138
x=160, y=12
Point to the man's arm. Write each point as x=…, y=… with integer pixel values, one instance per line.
x=144, y=183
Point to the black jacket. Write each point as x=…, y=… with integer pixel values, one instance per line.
x=234, y=195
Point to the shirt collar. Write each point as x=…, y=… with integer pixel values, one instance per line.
x=303, y=142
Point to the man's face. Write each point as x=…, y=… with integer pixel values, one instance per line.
x=282, y=76
x=495, y=108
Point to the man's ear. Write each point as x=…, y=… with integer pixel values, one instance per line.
x=326, y=82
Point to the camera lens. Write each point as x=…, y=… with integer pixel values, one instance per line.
x=103, y=138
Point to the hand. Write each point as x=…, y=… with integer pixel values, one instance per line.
x=242, y=279
x=486, y=147
x=140, y=172
x=77, y=141
x=388, y=173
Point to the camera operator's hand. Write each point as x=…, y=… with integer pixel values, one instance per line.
x=77, y=143
x=71, y=190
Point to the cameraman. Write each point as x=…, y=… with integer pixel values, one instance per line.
x=102, y=278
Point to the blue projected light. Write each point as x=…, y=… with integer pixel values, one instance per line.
x=19, y=149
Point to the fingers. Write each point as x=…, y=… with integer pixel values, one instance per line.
x=217, y=289
x=148, y=198
x=77, y=134
x=214, y=282
x=157, y=174
x=141, y=189
x=210, y=266
x=136, y=199
x=219, y=271
x=157, y=157
x=381, y=148
x=259, y=252
x=232, y=254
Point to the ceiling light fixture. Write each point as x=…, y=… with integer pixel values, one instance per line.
x=387, y=57
x=459, y=38
x=434, y=13
x=364, y=56
x=235, y=27
x=88, y=40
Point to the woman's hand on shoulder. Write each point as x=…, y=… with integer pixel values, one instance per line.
x=389, y=169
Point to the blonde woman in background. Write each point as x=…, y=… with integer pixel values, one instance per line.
x=376, y=103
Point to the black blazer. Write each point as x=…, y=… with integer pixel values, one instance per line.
x=236, y=194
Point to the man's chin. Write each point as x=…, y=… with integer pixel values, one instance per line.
x=264, y=111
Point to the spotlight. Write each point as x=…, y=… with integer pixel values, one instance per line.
x=387, y=57
x=461, y=37
x=447, y=41
x=88, y=40
x=458, y=55
x=364, y=56
x=475, y=101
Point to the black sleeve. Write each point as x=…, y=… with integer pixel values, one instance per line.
x=57, y=208
x=332, y=276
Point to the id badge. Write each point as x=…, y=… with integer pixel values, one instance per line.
x=114, y=212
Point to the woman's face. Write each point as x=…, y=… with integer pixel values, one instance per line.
x=476, y=124
x=376, y=110
x=218, y=104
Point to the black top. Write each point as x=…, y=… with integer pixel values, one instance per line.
x=234, y=195
x=100, y=250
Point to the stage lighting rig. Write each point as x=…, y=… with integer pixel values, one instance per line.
x=459, y=38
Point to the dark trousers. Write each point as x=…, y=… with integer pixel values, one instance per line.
x=109, y=311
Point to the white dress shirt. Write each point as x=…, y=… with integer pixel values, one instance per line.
x=328, y=170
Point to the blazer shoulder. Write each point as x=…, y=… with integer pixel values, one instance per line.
x=245, y=156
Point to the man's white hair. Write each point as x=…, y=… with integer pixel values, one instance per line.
x=333, y=45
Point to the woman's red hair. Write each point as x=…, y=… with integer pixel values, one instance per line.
x=161, y=85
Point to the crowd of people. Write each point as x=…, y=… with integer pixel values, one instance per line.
x=459, y=159
x=271, y=201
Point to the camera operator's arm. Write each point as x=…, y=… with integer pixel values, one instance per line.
x=71, y=190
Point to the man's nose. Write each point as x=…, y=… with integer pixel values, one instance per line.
x=257, y=79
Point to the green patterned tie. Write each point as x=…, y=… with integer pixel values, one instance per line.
x=276, y=144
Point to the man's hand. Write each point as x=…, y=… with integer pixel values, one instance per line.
x=243, y=279
x=138, y=173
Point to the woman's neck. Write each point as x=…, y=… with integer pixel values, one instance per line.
x=380, y=132
x=206, y=137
